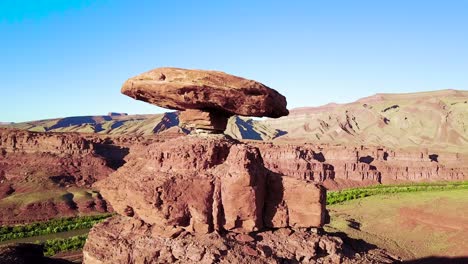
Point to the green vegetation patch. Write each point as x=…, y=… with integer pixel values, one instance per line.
x=357, y=193
x=55, y=246
x=50, y=227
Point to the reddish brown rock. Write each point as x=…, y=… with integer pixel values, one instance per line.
x=195, y=200
x=200, y=184
x=46, y=169
x=294, y=203
x=183, y=89
x=242, y=189
x=26, y=154
x=206, y=98
x=127, y=240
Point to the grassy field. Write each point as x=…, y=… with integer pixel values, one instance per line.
x=411, y=224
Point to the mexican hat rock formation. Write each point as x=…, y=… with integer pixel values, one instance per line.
x=207, y=199
x=206, y=98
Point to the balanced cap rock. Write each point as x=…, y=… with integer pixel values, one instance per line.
x=206, y=98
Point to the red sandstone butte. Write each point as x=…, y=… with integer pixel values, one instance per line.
x=210, y=184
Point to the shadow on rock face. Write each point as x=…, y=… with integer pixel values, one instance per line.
x=24, y=253
x=273, y=198
x=114, y=155
x=366, y=159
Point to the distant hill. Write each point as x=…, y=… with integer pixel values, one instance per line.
x=437, y=119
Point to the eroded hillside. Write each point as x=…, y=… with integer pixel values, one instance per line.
x=435, y=120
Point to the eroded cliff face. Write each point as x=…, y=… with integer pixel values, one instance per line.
x=209, y=184
x=24, y=154
x=341, y=167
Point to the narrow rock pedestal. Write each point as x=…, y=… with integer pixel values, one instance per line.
x=211, y=122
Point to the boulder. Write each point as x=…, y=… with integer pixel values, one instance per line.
x=183, y=89
x=206, y=198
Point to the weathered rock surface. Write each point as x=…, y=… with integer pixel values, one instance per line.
x=294, y=203
x=50, y=154
x=197, y=119
x=200, y=199
x=182, y=89
x=128, y=240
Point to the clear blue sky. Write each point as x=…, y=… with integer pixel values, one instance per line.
x=66, y=58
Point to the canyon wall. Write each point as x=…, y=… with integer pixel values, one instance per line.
x=82, y=159
x=341, y=166
x=49, y=175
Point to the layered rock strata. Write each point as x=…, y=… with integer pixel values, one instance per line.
x=49, y=175
x=53, y=155
x=211, y=184
x=341, y=167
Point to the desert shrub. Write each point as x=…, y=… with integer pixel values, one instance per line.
x=54, y=246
